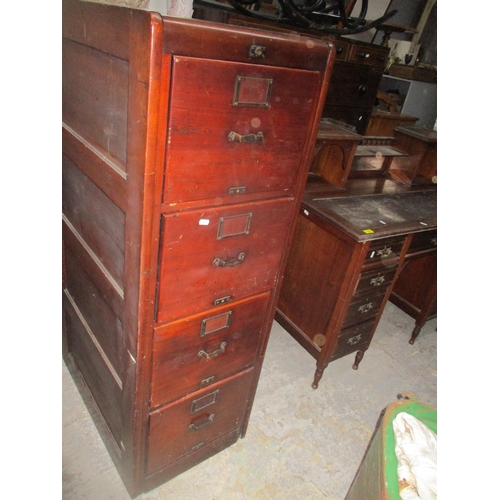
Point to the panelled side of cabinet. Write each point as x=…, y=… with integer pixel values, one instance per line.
x=184, y=160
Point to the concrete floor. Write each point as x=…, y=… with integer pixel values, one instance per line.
x=301, y=443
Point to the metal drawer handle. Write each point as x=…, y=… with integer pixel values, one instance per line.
x=207, y=422
x=229, y=263
x=203, y=354
x=377, y=281
x=234, y=137
x=434, y=241
x=385, y=252
x=365, y=308
x=354, y=340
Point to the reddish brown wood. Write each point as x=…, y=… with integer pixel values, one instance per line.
x=139, y=257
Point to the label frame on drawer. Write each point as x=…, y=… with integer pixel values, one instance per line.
x=222, y=221
x=204, y=322
x=238, y=88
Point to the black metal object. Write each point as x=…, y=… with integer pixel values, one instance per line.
x=318, y=15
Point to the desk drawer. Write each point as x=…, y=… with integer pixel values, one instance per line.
x=204, y=349
x=384, y=252
x=363, y=308
x=217, y=104
x=368, y=56
x=192, y=422
x=220, y=255
x=374, y=280
x=355, y=338
x=423, y=242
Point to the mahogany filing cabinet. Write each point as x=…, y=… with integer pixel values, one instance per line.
x=186, y=146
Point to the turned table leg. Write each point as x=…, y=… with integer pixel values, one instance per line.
x=357, y=359
x=317, y=377
x=415, y=333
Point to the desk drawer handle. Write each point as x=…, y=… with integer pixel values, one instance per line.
x=434, y=241
x=208, y=421
x=377, y=281
x=385, y=252
x=234, y=137
x=365, y=308
x=229, y=263
x=222, y=349
x=354, y=340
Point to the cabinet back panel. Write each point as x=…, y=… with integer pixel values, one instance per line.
x=96, y=219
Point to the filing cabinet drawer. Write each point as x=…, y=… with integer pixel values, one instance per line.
x=355, y=338
x=376, y=279
x=204, y=349
x=363, y=308
x=384, y=252
x=220, y=255
x=192, y=422
x=236, y=128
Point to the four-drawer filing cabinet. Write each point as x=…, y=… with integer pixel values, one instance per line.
x=186, y=147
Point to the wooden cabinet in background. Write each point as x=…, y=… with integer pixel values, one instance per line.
x=185, y=155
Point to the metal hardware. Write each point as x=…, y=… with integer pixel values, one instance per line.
x=208, y=422
x=257, y=51
x=434, y=241
x=354, y=340
x=229, y=263
x=222, y=349
x=237, y=190
x=235, y=137
x=204, y=401
x=236, y=225
x=252, y=91
x=365, y=308
x=207, y=381
x=377, y=281
x=222, y=300
x=385, y=252
x=215, y=323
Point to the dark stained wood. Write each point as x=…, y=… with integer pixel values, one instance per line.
x=139, y=273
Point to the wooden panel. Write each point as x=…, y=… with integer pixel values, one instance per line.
x=105, y=326
x=178, y=367
x=363, y=308
x=192, y=422
x=191, y=280
x=98, y=221
x=306, y=297
x=203, y=162
x=355, y=338
x=99, y=379
x=95, y=98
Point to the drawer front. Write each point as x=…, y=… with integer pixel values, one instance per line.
x=204, y=349
x=368, y=56
x=375, y=280
x=423, y=242
x=341, y=50
x=363, y=308
x=384, y=252
x=236, y=128
x=355, y=338
x=189, y=424
x=220, y=255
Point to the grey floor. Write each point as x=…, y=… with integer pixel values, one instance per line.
x=301, y=443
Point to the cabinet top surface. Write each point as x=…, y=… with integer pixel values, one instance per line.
x=373, y=216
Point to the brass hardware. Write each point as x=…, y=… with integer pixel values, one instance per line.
x=354, y=340
x=365, y=308
x=252, y=91
x=207, y=422
x=385, y=252
x=229, y=263
x=204, y=401
x=237, y=190
x=235, y=137
x=215, y=323
x=222, y=349
x=236, y=225
x=207, y=381
x=377, y=281
x=434, y=241
x=257, y=51
x=222, y=300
